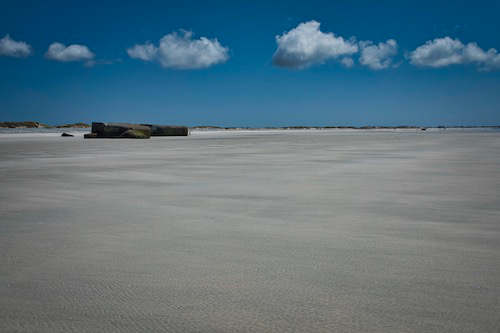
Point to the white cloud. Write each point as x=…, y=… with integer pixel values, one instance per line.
x=12, y=48
x=347, y=62
x=181, y=51
x=75, y=52
x=378, y=56
x=446, y=51
x=306, y=45
x=146, y=52
x=493, y=61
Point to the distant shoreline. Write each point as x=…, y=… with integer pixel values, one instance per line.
x=35, y=124
x=334, y=127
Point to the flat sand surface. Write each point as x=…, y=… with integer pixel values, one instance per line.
x=251, y=231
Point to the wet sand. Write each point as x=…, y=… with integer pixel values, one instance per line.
x=277, y=231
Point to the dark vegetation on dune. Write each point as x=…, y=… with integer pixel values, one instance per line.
x=36, y=124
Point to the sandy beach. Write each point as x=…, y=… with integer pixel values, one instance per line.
x=251, y=231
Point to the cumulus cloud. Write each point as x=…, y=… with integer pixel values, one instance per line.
x=307, y=45
x=181, y=51
x=446, y=51
x=146, y=52
x=347, y=62
x=12, y=48
x=75, y=52
x=378, y=56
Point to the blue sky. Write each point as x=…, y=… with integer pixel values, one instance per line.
x=241, y=75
